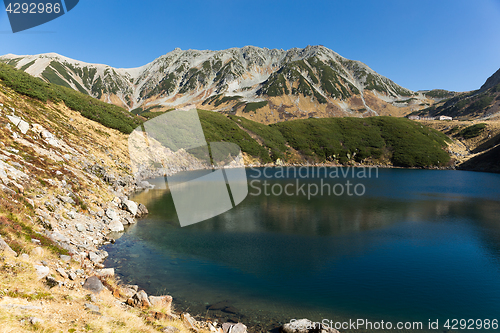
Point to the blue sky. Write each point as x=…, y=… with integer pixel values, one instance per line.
x=449, y=44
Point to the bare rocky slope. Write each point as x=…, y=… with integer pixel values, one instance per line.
x=64, y=192
x=269, y=85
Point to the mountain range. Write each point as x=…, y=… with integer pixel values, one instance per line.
x=481, y=104
x=266, y=85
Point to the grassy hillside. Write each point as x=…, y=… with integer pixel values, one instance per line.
x=107, y=114
x=218, y=127
x=403, y=142
x=380, y=139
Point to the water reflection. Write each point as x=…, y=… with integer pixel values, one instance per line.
x=418, y=245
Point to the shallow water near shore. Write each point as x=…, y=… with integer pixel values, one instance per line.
x=418, y=245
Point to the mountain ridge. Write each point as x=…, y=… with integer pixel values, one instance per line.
x=297, y=83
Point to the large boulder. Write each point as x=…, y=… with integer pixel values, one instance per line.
x=106, y=272
x=116, y=226
x=93, y=284
x=111, y=213
x=142, y=210
x=139, y=300
x=234, y=328
x=164, y=302
x=21, y=124
x=41, y=271
x=130, y=206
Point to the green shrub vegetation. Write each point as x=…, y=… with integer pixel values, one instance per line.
x=220, y=99
x=254, y=106
x=472, y=131
x=406, y=144
x=271, y=137
x=107, y=114
x=218, y=127
x=275, y=85
x=439, y=93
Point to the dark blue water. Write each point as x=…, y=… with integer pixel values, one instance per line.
x=419, y=245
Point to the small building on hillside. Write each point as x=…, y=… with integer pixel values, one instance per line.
x=445, y=118
x=414, y=117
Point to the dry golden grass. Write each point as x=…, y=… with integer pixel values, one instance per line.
x=61, y=309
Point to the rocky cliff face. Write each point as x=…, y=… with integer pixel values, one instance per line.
x=269, y=85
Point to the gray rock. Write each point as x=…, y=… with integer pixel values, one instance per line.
x=143, y=298
x=95, y=258
x=72, y=276
x=234, y=328
x=140, y=300
x=145, y=185
x=4, y=247
x=66, y=199
x=46, y=134
x=23, y=126
x=170, y=329
x=51, y=282
x=41, y=271
x=91, y=307
x=131, y=207
x=106, y=272
x=143, y=211
x=71, y=214
x=128, y=292
x=34, y=320
x=189, y=321
x=15, y=120
x=110, y=213
x=116, y=226
x=161, y=301
x=57, y=237
x=35, y=241
x=37, y=251
x=79, y=227
x=22, y=307
x=62, y=272
x=93, y=284
x=65, y=258
x=24, y=256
